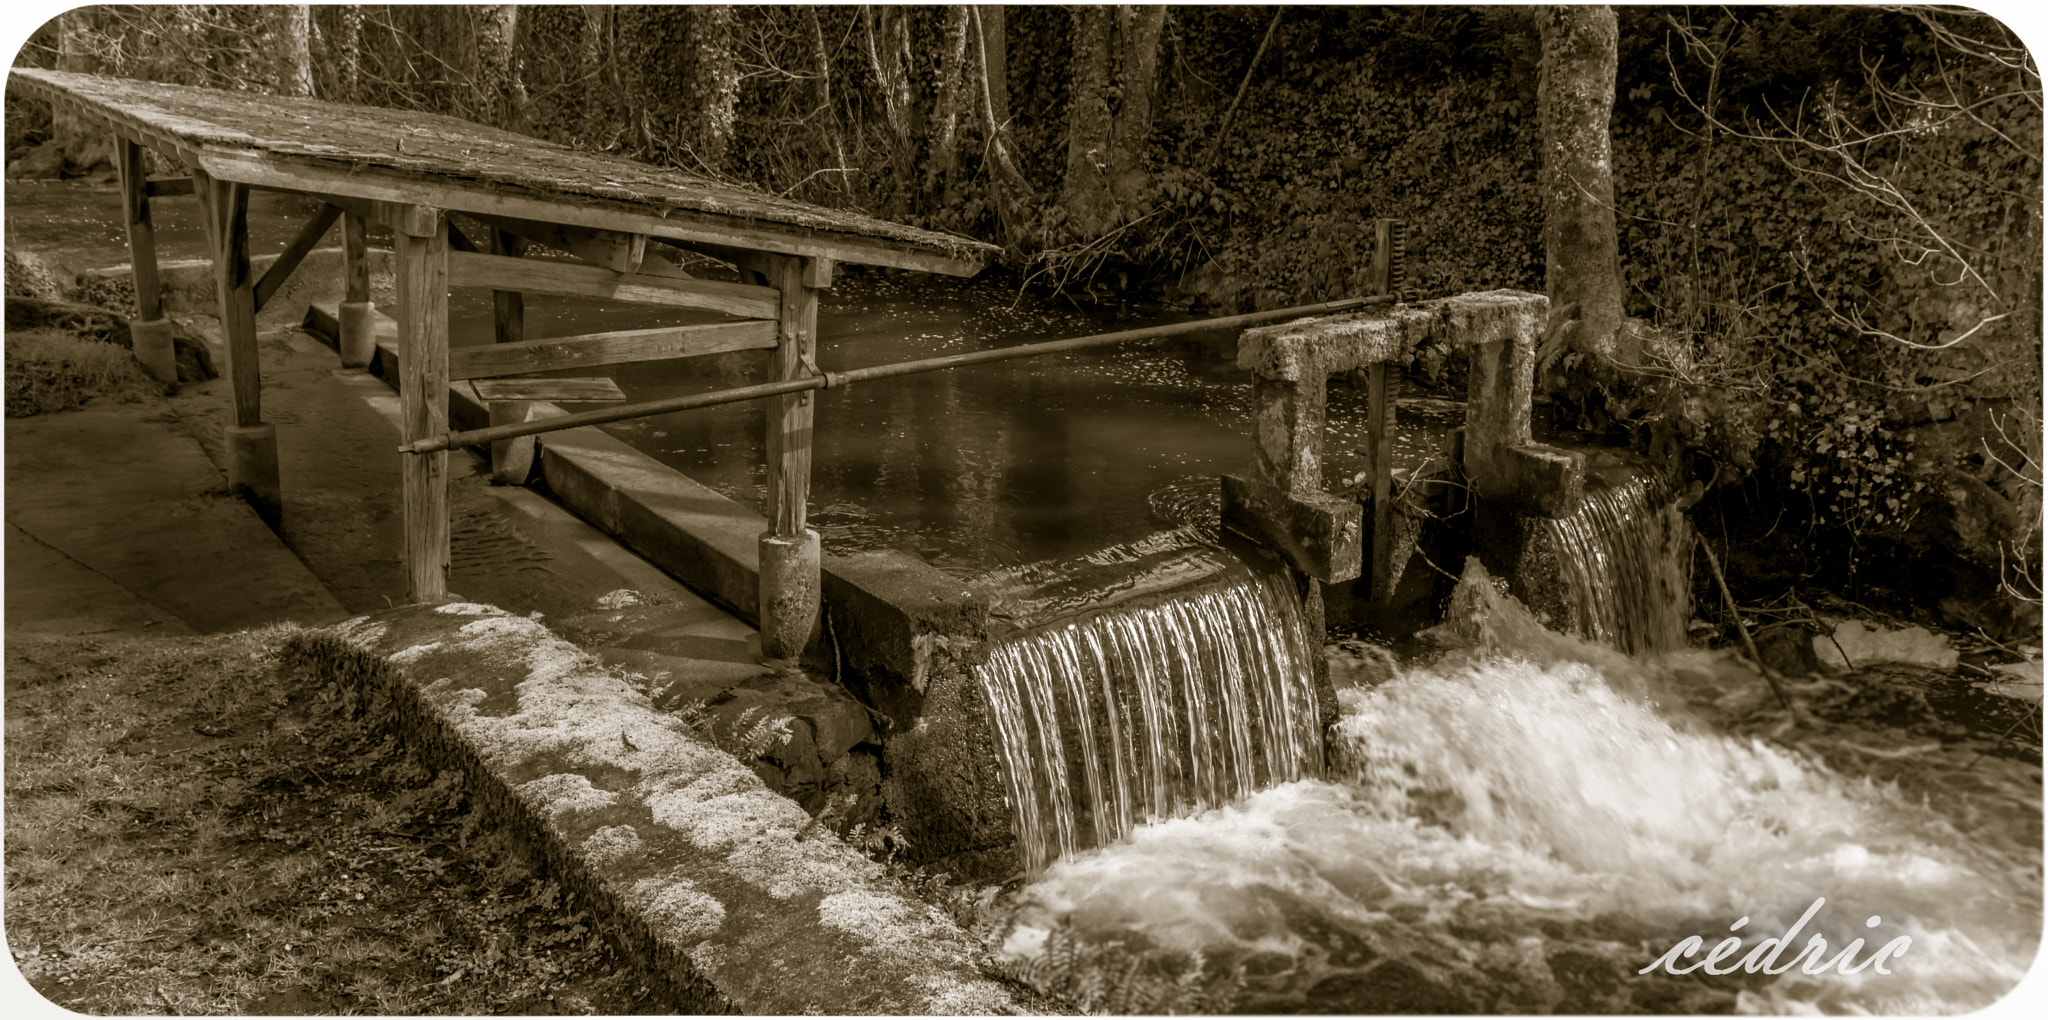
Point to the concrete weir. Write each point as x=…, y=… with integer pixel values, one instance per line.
x=725, y=893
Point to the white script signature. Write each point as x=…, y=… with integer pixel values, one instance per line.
x=1763, y=957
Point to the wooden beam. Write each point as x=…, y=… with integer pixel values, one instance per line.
x=611, y=348
x=534, y=275
x=598, y=389
x=618, y=251
x=169, y=187
x=422, y=244
x=227, y=228
x=149, y=300
x=684, y=225
x=790, y=416
x=294, y=253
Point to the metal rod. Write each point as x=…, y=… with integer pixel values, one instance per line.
x=829, y=380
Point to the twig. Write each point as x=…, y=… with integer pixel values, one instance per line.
x=1216, y=148
x=1770, y=677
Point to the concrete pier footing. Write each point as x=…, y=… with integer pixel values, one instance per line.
x=155, y=348
x=358, y=340
x=789, y=593
x=252, y=468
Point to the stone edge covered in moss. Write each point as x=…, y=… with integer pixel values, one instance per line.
x=718, y=889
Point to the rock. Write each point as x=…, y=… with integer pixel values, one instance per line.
x=2020, y=680
x=31, y=275
x=45, y=162
x=1864, y=645
x=1789, y=650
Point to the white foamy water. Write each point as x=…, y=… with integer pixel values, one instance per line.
x=1516, y=834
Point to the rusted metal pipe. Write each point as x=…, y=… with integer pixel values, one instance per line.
x=829, y=380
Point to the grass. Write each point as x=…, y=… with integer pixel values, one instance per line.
x=193, y=829
x=51, y=370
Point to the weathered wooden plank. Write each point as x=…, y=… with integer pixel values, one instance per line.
x=685, y=226
x=595, y=389
x=422, y=244
x=149, y=302
x=537, y=276
x=618, y=251
x=615, y=348
x=227, y=227
x=169, y=187
x=790, y=416
x=295, y=253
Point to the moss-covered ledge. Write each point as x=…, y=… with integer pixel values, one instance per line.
x=714, y=885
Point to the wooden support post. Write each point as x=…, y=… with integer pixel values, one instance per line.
x=511, y=459
x=1380, y=431
x=151, y=332
x=1380, y=445
x=358, y=340
x=251, y=445
x=421, y=238
x=789, y=549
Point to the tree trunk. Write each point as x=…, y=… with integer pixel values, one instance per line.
x=1575, y=99
x=348, y=54
x=1015, y=198
x=1109, y=119
x=78, y=49
x=952, y=96
x=887, y=35
x=1140, y=28
x=716, y=94
x=501, y=96
x=294, y=50
x=1084, y=193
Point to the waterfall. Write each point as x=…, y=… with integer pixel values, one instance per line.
x=1623, y=556
x=1154, y=707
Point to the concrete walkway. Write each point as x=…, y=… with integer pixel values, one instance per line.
x=119, y=521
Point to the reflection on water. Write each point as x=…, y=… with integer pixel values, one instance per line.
x=993, y=465
x=1523, y=828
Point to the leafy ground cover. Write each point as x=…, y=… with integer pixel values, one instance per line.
x=194, y=829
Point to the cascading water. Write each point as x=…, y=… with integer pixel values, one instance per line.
x=1621, y=557
x=1525, y=828
x=1155, y=707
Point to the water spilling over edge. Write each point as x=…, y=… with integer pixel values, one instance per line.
x=1153, y=707
x=1621, y=556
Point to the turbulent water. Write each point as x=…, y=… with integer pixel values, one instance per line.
x=1137, y=712
x=1523, y=828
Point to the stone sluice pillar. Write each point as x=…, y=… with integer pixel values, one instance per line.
x=1281, y=504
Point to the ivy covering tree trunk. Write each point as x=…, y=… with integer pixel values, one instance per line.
x=1109, y=121
x=294, y=48
x=715, y=89
x=501, y=96
x=346, y=53
x=1574, y=101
